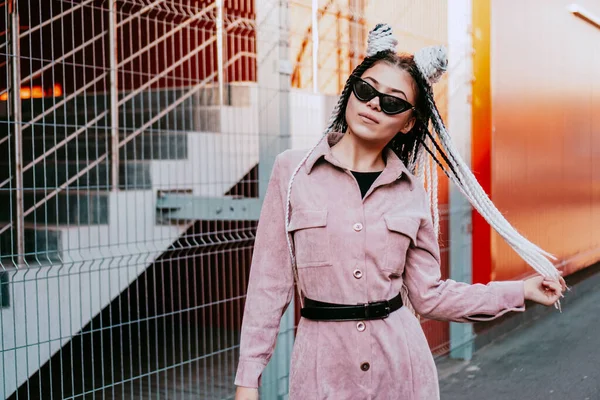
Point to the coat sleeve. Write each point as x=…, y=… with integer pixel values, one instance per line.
x=270, y=287
x=449, y=300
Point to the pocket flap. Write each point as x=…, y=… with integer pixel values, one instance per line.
x=302, y=219
x=408, y=226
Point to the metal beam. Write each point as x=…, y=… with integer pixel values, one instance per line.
x=188, y=207
x=15, y=97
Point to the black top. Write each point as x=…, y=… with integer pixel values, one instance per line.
x=365, y=180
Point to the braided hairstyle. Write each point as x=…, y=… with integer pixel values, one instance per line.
x=426, y=67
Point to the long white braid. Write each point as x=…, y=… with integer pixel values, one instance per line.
x=530, y=252
x=473, y=191
x=434, y=193
x=426, y=170
x=431, y=183
x=412, y=163
x=428, y=183
x=431, y=62
x=420, y=166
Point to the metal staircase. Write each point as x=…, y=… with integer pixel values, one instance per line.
x=87, y=241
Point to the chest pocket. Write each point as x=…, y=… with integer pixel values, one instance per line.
x=402, y=233
x=311, y=240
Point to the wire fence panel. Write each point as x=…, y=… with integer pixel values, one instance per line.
x=135, y=141
x=106, y=107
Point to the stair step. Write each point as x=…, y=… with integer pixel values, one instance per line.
x=69, y=207
x=182, y=118
x=156, y=146
x=153, y=100
x=132, y=175
x=148, y=145
x=133, y=114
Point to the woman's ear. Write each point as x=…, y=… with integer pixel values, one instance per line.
x=409, y=125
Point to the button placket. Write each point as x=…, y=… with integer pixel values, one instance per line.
x=357, y=227
x=357, y=273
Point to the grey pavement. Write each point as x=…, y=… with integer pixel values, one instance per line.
x=556, y=356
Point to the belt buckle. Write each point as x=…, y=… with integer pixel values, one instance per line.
x=374, y=310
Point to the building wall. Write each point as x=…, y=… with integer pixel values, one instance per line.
x=545, y=138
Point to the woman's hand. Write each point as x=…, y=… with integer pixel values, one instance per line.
x=546, y=291
x=246, y=393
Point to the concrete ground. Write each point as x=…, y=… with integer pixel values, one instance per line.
x=552, y=356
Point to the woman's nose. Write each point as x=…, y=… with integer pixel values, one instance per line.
x=374, y=103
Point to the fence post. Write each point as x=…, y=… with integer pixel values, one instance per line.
x=114, y=93
x=220, y=62
x=459, y=121
x=274, y=75
x=15, y=97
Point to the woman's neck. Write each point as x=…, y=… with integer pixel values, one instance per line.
x=355, y=155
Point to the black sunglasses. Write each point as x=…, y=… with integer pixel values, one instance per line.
x=389, y=104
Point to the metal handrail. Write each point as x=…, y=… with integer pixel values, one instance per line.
x=199, y=86
x=81, y=46
x=56, y=17
x=180, y=100
x=61, y=143
x=140, y=12
x=168, y=34
x=130, y=137
x=166, y=71
x=122, y=101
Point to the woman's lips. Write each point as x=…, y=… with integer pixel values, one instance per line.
x=368, y=118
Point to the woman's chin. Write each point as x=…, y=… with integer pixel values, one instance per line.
x=363, y=132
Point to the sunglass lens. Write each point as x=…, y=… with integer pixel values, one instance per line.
x=393, y=105
x=363, y=91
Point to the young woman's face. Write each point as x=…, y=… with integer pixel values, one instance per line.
x=366, y=120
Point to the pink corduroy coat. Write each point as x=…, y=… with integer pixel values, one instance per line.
x=354, y=250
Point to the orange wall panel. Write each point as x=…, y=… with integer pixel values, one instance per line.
x=545, y=142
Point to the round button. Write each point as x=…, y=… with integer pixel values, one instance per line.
x=357, y=273
x=365, y=366
x=358, y=227
x=361, y=326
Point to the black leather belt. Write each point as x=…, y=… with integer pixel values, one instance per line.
x=319, y=310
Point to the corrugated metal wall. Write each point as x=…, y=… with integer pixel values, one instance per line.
x=545, y=152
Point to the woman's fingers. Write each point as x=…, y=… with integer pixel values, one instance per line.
x=551, y=292
x=563, y=283
x=544, y=290
x=561, y=280
x=552, y=286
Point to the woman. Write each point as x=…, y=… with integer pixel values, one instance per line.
x=360, y=230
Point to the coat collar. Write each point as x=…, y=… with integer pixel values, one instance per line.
x=394, y=167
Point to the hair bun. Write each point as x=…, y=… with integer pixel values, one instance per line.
x=381, y=38
x=432, y=61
